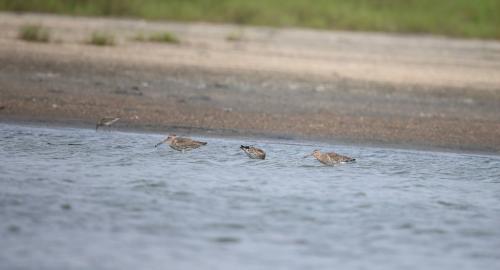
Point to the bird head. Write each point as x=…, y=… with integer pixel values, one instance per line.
x=316, y=153
x=169, y=139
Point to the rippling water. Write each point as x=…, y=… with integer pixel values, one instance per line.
x=76, y=199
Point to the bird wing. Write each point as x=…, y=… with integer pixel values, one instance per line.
x=110, y=121
x=188, y=142
x=180, y=140
x=261, y=153
x=258, y=151
x=331, y=157
x=339, y=158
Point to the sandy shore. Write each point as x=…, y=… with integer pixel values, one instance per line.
x=354, y=87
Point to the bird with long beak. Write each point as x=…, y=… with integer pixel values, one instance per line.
x=253, y=152
x=181, y=144
x=106, y=122
x=331, y=158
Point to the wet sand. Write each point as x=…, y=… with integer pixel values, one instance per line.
x=404, y=90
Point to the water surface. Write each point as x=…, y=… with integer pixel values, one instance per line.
x=76, y=199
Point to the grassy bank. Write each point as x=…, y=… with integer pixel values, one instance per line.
x=461, y=18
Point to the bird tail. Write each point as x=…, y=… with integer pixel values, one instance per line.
x=204, y=143
x=244, y=147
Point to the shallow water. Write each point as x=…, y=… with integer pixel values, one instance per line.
x=76, y=199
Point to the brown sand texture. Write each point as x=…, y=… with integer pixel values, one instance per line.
x=352, y=87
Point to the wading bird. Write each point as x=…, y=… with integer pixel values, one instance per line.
x=330, y=158
x=253, y=152
x=106, y=122
x=181, y=144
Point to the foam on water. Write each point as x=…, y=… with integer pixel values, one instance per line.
x=77, y=199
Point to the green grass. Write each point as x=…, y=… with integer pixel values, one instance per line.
x=34, y=33
x=102, y=39
x=461, y=18
x=164, y=37
x=236, y=35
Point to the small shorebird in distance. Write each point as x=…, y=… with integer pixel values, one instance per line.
x=330, y=158
x=181, y=144
x=253, y=152
x=106, y=122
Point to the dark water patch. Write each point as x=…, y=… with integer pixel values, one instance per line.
x=227, y=226
x=13, y=229
x=226, y=240
x=137, y=184
x=429, y=231
x=66, y=206
x=477, y=233
x=455, y=206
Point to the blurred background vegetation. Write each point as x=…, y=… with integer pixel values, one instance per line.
x=459, y=18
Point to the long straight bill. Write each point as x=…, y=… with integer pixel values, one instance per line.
x=160, y=143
